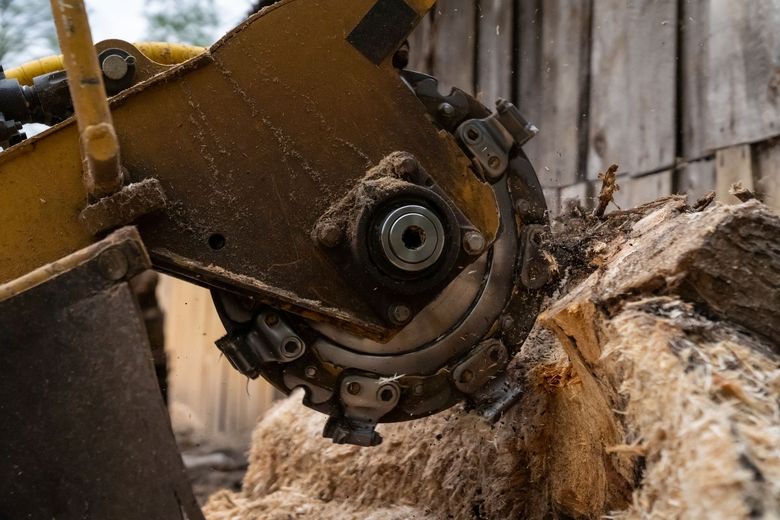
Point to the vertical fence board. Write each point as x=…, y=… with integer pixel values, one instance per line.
x=633, y=89
x=733, y=164
x=215, y=400
x=696, y=179
x=563, y=86
x=694, y=26
x=638, y=190
x=767, y=162
x=743, y=70
x=528, y=28
x=454, y=44
x=420, y=46
x=494, y=51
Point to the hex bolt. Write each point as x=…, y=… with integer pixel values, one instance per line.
x=446, y=109
x=112, y=264
x=310, y=372
x=400, y=313
x=353, y=387
x=474, y=242
x=329, y=234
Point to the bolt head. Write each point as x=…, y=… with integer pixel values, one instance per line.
x=353, y=387
x=446, y=109
x=507, y=322
x=114, y=67
x=329, y=235
x=310, y=372
x=474, y=243
x=112, y=264
x=400, y=314
x=408, y=166
x=418, y=389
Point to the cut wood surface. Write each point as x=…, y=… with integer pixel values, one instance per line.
x=651, y=391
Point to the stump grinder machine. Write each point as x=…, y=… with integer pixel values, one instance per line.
x=366, y=237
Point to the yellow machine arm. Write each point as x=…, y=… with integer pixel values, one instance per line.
x=366, y=237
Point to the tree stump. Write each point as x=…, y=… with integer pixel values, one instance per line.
x=651, y=390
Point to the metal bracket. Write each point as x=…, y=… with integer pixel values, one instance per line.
x=492, y=139
x=365, y=401
x=535, y=269
x=489, y=358
x=271, y=340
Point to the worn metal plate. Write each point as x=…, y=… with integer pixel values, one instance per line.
x=84, y=432
x=251, y=142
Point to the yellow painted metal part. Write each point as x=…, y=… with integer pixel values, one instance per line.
x=254, y=139
x=99, y=142
x=159, y=52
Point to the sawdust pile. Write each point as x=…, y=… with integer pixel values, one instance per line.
x=645, y=400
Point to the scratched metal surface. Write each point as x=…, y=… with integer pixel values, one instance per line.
x=251, y=142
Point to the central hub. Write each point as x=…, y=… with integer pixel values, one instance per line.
x=412, y=237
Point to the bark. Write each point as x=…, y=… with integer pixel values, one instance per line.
x=651, y=390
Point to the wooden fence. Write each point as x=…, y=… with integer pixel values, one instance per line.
x=206, y=395
x=684, y=95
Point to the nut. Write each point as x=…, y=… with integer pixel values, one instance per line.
x=329, y=234
x=112, y=264
x=474, y=243
x=446, y=109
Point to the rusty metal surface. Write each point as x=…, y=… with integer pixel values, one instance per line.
x=84, y=433
x=251, y=143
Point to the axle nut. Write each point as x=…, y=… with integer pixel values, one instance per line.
x=474, y=242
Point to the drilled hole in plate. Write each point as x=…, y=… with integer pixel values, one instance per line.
x=413, y=238
x=291, y=346
x=473, y=134
x=386, y=395
x=216, y=241
x=494, y=356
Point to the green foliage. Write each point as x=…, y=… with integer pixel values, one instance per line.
x=26, y=30
x=183, y=21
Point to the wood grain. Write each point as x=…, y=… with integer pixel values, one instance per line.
x=638, y=190
x=695, y=179
x=564, y=87
x=528, y=26
x=494, y=55
x=767, y=165
x=420, y=46
x=693, y=78
x=743, y=72
x=209, y=396
x=733, y=164
x=454, y=44
x=633, y=90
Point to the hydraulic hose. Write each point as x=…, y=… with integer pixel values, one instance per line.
x=160, y=52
